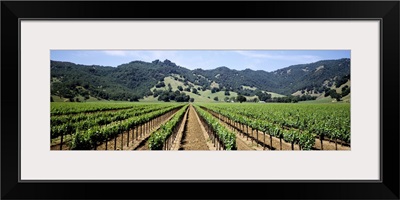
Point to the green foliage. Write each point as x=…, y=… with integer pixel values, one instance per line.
x=158, y=138
x=342, y=80
x=180, y=88
x=89, y=137
x=241, y=98
x=263, y=96
x=227, y=137
x=345, y=90
x=290, y=121
x=67, y=118
x=306, y=140
x=134, y=80
x=283, y=81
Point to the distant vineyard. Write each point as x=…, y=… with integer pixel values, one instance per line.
x=155, y=126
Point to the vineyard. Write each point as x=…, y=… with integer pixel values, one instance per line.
x=199, y=126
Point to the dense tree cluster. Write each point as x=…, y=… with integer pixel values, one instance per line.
x=342, y=80
x=263, y=96
x=160, y=84
x=241, y=98
x=227, y=93
x=132, y=81
x=214, y=90
x=168, y=95
x=345, y=90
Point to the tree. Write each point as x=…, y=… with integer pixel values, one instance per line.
x=51, y=99
x=191, y=99
x=86, y=97
x=241, y=98
x=180, y=88
x=156, y=93
x=134, y=98
x=263, y=96
x=163, y=97
x=169, y=87
x=335, y=95
x=226, y=99
x=194, y=90
x=215, y=98
x=345, y=90
x=172, y=95
x=161, y=84
x=227, y=93
x=187, y=89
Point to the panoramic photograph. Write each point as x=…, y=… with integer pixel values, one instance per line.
x=201, y=100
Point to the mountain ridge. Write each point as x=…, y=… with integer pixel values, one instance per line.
x=137, y=77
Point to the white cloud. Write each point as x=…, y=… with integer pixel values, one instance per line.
x=297, y=58
x=116, y=53
x=144, y=55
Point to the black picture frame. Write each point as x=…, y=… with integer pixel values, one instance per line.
x=386, y=11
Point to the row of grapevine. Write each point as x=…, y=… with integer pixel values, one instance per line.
x=219, y=132
x=61, y=108
x=304, y=139
x=71, y=118
x=91, y=138
x=158, y=139
x=324, y=121
x=99, y=119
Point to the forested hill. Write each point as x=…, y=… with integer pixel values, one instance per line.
x=135, y=80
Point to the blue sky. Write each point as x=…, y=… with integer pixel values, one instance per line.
x=267, y=60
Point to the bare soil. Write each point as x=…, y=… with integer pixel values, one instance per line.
x=177, y=142
x=193, y=137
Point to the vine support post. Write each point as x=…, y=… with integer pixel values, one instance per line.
x=264, y=141
x=270, y=141
x=122, y=140
x=336, y=143
x=61, y=142
x=127, y=139
x=321, y=138
x=115, y=143
x=257, y=137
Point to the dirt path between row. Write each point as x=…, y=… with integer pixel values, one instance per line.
x=193, y=137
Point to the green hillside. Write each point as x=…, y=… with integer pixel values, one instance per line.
x=137, y=81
